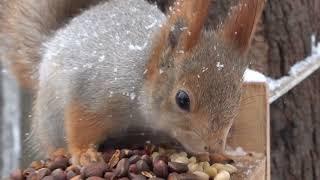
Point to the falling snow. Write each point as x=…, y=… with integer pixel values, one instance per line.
x=220, y=66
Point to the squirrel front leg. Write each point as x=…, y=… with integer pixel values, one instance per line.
x=84, y=130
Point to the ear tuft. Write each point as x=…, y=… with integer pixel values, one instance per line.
x=241, y=24
x=186, y=21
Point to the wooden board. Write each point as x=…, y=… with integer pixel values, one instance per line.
x=250, y=130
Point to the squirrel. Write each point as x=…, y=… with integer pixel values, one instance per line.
x=103, y=69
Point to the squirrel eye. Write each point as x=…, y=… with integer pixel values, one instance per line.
x=182, y=100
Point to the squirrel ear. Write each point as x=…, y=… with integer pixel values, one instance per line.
x=240, y=25
x=186, y=20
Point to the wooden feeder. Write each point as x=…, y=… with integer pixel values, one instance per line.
x=250, y=131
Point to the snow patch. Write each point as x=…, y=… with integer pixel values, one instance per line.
x=253, y=76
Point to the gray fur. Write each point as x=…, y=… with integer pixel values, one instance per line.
x=100, y=56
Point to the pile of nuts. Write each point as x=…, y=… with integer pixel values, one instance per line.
x=138, y=164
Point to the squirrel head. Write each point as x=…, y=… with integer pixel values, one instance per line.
x=194, y=75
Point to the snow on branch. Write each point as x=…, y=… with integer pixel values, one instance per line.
x=298, y=72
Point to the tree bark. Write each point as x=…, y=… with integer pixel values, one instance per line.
x=295, y=118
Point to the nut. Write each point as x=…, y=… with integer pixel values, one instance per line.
x=142, y=166
x=218, y=166
x=43, y=172
x=133, y=169
x=181, y=159
x=160, y=168
x=60, y=162
x=134, y=159
x=94, y=169
x=37, y=165
x=59, y=174
x=109, y=175
x=211, y=171
x=201, y=175
x=229, y=168
x=122, y=168
x=114, y=159
x=95, y=178
x=178, y=167
x=147, y=159
x=193, y=160
x=194, y=167
x=222, y=175
x=139, y=177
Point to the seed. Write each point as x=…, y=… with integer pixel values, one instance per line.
x=123, y=178
x=148, y=174
x=95, y=178
x=37, y=165
x=183, y=154
x=147, y=159
x=162, y=151
x=177, y=167
x=106, y=156
x=74, y=169
x=138, y=152
x=160, y=168
x=194, y=167
x=126, y=153
x=60, y=162
x=78, y=177
x=133, y=159
x=156, y=178
x=218, y=166
x=52, y=178
x=33, y=176
x=211, y=171
x=142, y=166
x=71, y=174
x=229, y=168
x=28, y=171
x=122, y=168
x=183, y=176
x=222, y=175
x=173, y=157
x=43, y=172
x=193, y=160
x=94, y=169
x=133, y=169
x=154, y=155
x=201, y=175
x=59, y=174
x=138, y=177
x=114, y=159
x=109, y=175
x=182, y=159
x=173, y=176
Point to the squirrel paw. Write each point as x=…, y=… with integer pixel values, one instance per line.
x=86, y=157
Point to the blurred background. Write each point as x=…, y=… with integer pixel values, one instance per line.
x=284, y=37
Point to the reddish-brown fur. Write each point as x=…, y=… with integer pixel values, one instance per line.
x=93, y=128
x=241, y=24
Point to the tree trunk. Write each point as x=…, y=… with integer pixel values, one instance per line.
x=295, y=118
